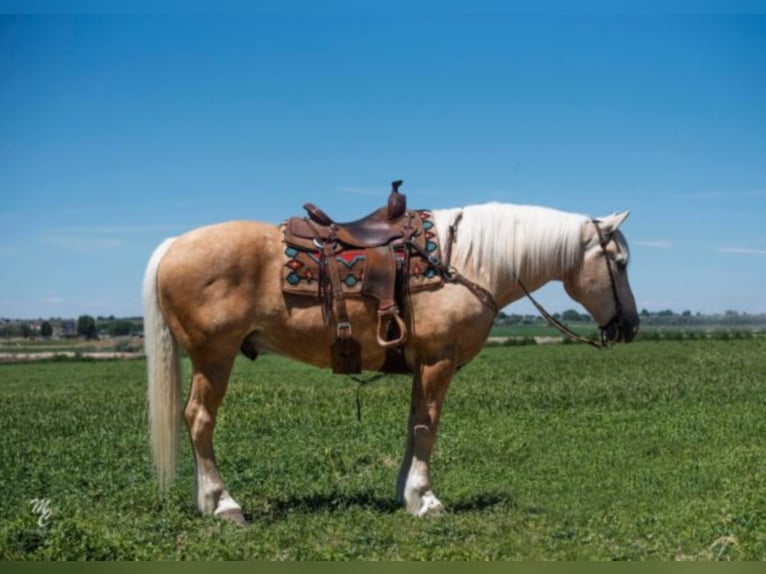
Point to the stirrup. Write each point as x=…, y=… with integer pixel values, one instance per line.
x=385, y=318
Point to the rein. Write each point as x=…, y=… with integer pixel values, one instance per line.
x=558, y=325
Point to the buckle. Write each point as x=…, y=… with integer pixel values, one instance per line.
x=344, y=327
x=319, y=244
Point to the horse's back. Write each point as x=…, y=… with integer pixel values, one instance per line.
x=227, y=235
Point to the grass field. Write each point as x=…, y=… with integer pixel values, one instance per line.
x=542, y=330
x=649, y=451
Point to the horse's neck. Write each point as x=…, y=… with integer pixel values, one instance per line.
x=533, y=245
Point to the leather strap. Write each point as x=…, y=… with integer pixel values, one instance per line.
x=555, y=323
x=481, y=293
x=453, y=275
x=344, y=327
x=604, y=242
x=451, y=235
x=336, y=299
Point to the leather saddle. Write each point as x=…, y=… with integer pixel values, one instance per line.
x=380, y=227
x=378, y=235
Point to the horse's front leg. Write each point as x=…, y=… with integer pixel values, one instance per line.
x=208, y=387
x=413, y=486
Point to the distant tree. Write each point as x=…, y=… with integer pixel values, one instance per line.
x=25, y=330
x=571, y=315
x=86, y=327
x=120, y=328
x=46, y=330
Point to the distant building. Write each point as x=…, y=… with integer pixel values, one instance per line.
x=68, y=329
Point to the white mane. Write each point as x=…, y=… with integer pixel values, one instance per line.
x=512, y=240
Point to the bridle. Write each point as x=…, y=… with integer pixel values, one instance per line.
x=618, y=321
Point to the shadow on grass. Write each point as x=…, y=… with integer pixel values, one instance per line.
x=322, y=502
x=483, y=501
x=334, y=502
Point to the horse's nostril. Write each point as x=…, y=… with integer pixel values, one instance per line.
x=630, y=333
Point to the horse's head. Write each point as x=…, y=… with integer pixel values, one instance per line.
x=600, y=283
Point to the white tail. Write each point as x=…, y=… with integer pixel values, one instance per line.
x=163, y=365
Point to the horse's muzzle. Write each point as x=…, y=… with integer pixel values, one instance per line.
x=620, y=330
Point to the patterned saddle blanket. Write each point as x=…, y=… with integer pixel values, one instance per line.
x=304, y=271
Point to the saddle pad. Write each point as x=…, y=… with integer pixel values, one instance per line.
x=301, y=272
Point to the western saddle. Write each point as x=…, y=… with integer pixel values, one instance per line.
x=379, y=236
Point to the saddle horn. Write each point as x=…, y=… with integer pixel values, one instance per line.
x=397, y=202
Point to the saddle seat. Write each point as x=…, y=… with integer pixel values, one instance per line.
x=380, y=227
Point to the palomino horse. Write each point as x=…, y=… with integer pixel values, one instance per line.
x=217, y=289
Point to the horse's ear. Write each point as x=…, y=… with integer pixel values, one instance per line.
x=611, y=223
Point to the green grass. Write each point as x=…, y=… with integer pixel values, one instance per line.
x=542, y=330
x=648, y=451
x=70, y=345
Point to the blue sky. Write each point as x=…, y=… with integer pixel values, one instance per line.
x=117, y=131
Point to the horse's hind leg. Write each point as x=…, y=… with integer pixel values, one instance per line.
x=208, y=387
x=413, y=483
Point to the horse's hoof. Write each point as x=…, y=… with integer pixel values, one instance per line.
x=234, y=515
x=430, y=506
